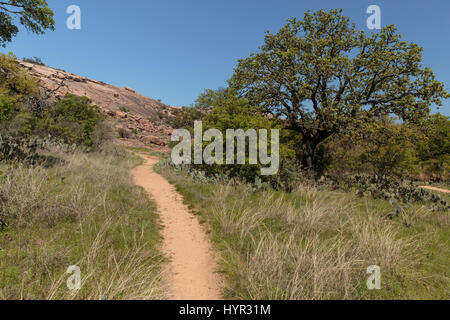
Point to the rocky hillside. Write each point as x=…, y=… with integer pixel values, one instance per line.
x=138, y=120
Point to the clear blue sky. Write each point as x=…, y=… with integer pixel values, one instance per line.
x=173, y=50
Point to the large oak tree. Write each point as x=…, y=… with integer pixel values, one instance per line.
x=323, y=76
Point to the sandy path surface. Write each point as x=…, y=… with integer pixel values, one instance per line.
x=435, y=189
x=191, y=269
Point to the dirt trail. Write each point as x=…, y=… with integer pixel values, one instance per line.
x=435, y=189
x=191, y=269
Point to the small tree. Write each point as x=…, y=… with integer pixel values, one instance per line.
x=322, y=76
x=34, y=15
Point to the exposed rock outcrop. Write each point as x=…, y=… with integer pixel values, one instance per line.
x=146, y=118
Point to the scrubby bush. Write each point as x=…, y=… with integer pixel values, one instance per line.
x=394, y=190
x=72, y=120
x=14, y=148
x=185, y=117
x=434, y=149
x=386, y=148
x=27, y=115
x=228, y=111
x=124, y=133
x=34, y=60
x=15, y=85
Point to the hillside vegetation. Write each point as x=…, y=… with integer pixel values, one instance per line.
x=67, y=199
x=84, y=211
x=358, y=122
x=317, y=244
x=357, y=140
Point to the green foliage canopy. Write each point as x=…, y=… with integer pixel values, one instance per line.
x=15, y=87
x=34, y=15
x=323, y=76
x=229, y=111
x=71, y=119
x=185, y=117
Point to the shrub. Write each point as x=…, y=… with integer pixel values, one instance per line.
x=72, y=120
x=394, y=190
x=22, y=125
x=27, y=114
x=222, y=110
x=124, y=133
x=14, y=81
x=102, y=137
x=34, y=60
x=184, y=118
x=14, y=148
x=8, y=106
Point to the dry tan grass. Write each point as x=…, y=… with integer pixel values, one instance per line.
x=321, y=250
x=84, y=212
x=128, y=275
x=311, y=244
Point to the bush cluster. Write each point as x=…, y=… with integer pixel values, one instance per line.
x=392, y=189
x=29, y=119
x=389, y=149
x=34, y=60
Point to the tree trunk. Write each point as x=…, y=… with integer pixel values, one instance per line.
x=308, y=149
x=309, y=145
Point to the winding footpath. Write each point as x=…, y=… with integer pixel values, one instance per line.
x=191, y=269
x=435, y=189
